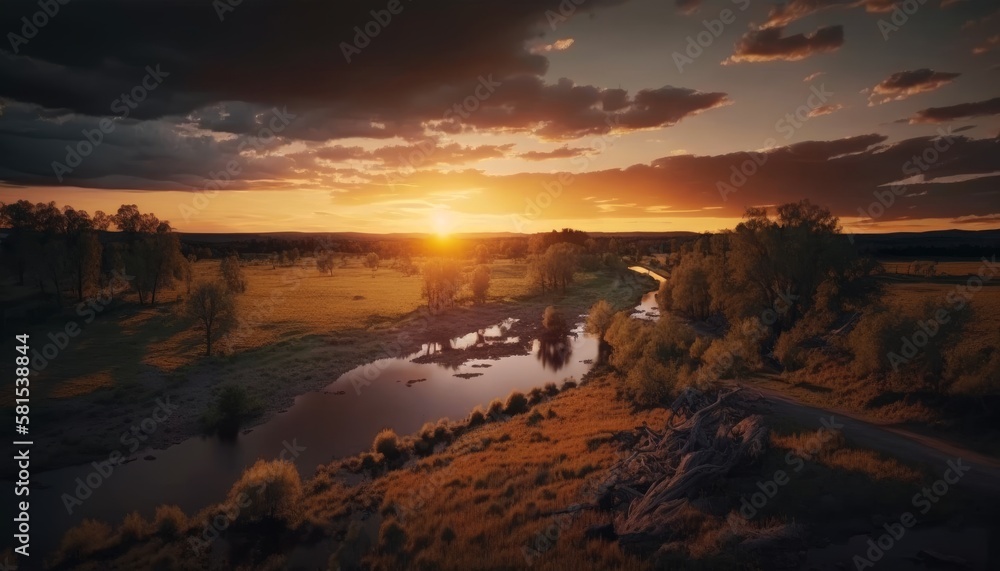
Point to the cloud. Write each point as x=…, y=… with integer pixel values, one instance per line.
x=903, y=84
x=687, y=6
x=312, y=65
x=813, y=76
x=784, y=14
x=988, y=45
x=768, y=44
x=565, y=110
x=825, y=110
x=960, y=111
x=557, y=46
x=563, y=152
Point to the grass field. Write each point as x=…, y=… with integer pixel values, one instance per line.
x=942, y=268
x=280, y=305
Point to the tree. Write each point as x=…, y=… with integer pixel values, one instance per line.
x=83, y=250
x=599, y=319
x=155, y=260
x=554, y=322
x=442, y=281
x=480, y=283
x=213, y=305
x=482, y=254
x=232, y=274
x=556, y=268
x=371, y=262
x=324, y=263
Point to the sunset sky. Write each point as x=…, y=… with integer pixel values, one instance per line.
x=506, y=115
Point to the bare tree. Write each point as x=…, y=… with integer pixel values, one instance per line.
x=232, y=274
x=213, y=305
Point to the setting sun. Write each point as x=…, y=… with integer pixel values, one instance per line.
x=442, y=223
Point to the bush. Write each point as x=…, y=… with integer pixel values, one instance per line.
x=480, y=283
x=650, y=382
x=517, y=403
x=554, y=322
x=170, y=521
x=535, y=396
x=269, y=490
x=82, y=540
x=391, y=537
x=534, y=418
x=788, y=349
x=477, y=416
x=232, y=407
x=134, y=527
x=232, y=274
x=551, y=389
x=495, y=409
x=599, y=319
x=698, y=348
x=388, y=444
x=887, y=340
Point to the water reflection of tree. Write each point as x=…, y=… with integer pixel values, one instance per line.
x=554, y=352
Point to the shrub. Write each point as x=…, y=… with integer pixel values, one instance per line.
x=480, y=283
x=916, y=346
x=232, y=274
x=517, y=403
x=535, y=396
x=391, y=536
x=495, y=409
x=86, y=538
x=569, y=385
x=788, y=349
x=871, y=339
x=447, y=534
x=170, y=521
x=599, y=319
x=698, y=348
x=650, y=382
x=134, y=527
x=534, y=418
x=269, y=490
x=551, y=389
x=554, y=322
x=388, y=444
x=230, y=410
x=477, y=416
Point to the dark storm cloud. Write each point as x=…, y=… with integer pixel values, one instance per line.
x=768, y=44
x=266, y=53
x=960, y=111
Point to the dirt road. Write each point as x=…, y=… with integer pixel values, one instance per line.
x=983, y=477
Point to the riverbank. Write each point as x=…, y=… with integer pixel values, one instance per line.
x=275, y=375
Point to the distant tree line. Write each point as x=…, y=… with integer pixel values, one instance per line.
x=68, y=252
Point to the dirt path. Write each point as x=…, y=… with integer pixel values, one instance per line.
x=984, y=476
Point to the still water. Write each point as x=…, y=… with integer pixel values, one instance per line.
x=340, y=420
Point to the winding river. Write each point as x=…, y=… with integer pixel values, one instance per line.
x=339, y=421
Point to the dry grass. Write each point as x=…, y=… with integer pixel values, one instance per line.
x=949, y=268
x=491, y=490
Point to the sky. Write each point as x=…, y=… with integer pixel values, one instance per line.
x=504, y=116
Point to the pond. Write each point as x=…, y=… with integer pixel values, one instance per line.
x=341, y=420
